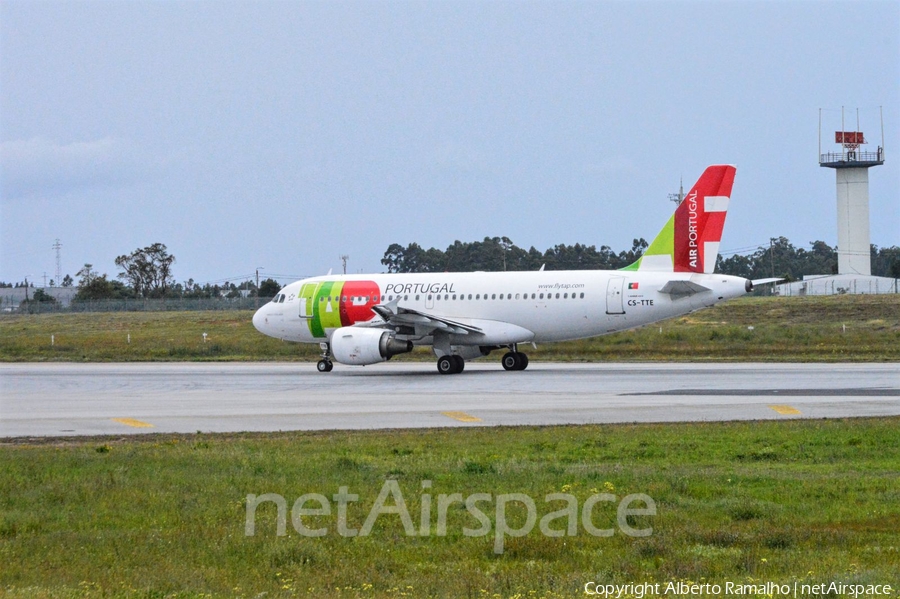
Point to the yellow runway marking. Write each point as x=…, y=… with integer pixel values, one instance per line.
x=133, y=422
x=461, y=416
x=785, y=410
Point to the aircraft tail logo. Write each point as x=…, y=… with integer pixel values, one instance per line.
x=690, y=240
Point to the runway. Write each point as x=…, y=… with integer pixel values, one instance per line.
x=42, y=400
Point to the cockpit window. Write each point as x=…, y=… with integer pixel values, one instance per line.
x=281, y=301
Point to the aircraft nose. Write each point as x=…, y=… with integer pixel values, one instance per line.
x=259, y=320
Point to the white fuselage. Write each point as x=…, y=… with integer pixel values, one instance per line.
x=508, y=307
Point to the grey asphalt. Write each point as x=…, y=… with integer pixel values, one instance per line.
x=115, y=399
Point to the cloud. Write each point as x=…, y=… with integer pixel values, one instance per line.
x=41, y=167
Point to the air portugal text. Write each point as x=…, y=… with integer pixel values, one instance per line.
x=406, y=288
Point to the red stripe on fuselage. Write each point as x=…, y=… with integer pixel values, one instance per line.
x=359, y=310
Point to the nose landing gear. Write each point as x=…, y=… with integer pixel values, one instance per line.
x=325, y=364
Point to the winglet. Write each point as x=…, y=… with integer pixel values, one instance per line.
x=690, y=240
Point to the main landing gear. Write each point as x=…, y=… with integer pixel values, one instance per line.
x=325, y=364
x=453, y=364
x=514, y=360
x=450, y=364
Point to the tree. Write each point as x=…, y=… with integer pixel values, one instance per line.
x=269, y=288
x=67, y=281
x=148, y=270
x=87, y=274
x=41, y=296
x=93, y=286
x=886, y=262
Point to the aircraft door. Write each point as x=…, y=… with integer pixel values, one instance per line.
x=307, y=299
x=614, y=297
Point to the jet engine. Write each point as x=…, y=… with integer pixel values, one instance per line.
x=361, y=346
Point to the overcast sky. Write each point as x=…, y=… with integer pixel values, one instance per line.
x=283, y=134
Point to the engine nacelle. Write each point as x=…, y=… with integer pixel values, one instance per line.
x=360, y=346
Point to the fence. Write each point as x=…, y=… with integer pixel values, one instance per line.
x=840, y=286
x=139, y=305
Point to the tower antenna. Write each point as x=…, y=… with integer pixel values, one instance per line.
x=678, y=197
x=58, y=246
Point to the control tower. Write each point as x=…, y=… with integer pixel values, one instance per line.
x=852, y=174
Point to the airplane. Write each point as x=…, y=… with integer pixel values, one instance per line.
x=367, y=319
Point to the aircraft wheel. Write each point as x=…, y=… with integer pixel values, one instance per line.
x=458, y=364
x=446, y=365
x=324, y=366
x=523, y=361
x=515, y=361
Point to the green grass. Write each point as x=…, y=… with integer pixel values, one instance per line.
x=838, y=328
x=164, y=515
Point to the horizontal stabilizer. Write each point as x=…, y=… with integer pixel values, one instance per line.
x=682, y=288
x=764, y=281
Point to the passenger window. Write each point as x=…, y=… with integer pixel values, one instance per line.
x=582, y=296
x=557, y=296
x=565, y=296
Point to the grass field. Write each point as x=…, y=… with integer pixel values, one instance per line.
x=154, y=516
x=837, y=328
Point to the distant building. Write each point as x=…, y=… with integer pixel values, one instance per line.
x=11, y=297
x=838, y=285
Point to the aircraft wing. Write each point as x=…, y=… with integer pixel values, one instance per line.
x=682, y=288
x=424, y=323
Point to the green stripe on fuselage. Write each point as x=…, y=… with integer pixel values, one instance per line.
x=326, y=314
